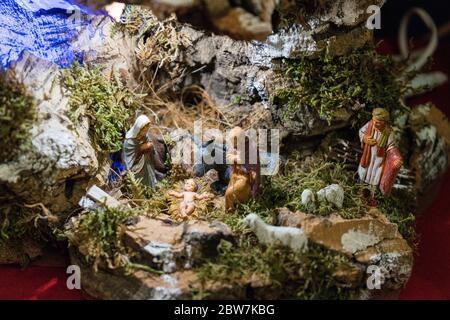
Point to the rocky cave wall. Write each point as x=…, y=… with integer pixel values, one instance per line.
x=240, y=76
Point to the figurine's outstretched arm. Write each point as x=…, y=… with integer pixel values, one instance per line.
x=175, y=194
x=203, y=196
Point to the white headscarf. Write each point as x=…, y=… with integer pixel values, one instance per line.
x=140, y=122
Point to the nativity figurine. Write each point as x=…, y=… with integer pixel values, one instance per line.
x=381, y=160
x=240, y=186
x=241, y=145
x=143, y=154
x=189, y=196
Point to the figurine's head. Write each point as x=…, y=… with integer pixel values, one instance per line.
x=235, y=158
x=251, y=220
x=143, y=132
x=380, y=118
x=140, y=128
x=190, y=185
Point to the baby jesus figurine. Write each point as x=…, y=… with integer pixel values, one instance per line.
x=189, y=195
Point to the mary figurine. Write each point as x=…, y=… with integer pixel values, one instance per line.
x=143, y=154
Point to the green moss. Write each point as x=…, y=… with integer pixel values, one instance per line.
x=98, y=236
x=17, y=114
x=98, y=233
x=107, y=104
x=316, y=176
x=304, y=276
x=357, y=82
x=293, y=275
x=400, y=208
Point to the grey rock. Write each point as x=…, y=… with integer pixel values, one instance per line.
x=431, y=137
x=252, y=19
x=141, y=285
x=172, y=246
x=369, y=241
x=59, y=151
x=251, y=72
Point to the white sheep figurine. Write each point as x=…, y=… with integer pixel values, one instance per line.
x=293, y=238
x=333, y=194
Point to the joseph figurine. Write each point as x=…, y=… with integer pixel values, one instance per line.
x=381, y=159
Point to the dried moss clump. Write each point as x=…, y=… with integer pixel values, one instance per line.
x=357, y=82
x=160, y=48
x=160, y=42
x=107, y=104
x=135, y=21
x=296, y=11
x=19, y=221
x=17, y=114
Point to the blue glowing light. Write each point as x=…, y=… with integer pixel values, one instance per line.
x=45, y=28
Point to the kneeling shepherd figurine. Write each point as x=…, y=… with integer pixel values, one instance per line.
x=381, y=160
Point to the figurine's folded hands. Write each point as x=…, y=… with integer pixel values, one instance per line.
x=370, y=141
x=146, y=147
x=143, y=149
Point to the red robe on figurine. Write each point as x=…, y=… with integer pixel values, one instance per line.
x=392, y=166
x=381, y=160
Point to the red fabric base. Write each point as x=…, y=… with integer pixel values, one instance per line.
x=430, y=277
x=35, y=283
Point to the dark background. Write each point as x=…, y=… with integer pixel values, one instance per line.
x=393, y=10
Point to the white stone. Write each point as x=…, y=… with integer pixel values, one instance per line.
x=354, y=241
x=308, y=198
x=168, y=290
x=162, y=253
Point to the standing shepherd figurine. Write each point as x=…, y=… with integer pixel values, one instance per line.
x=381, y=159
x=143, y=154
